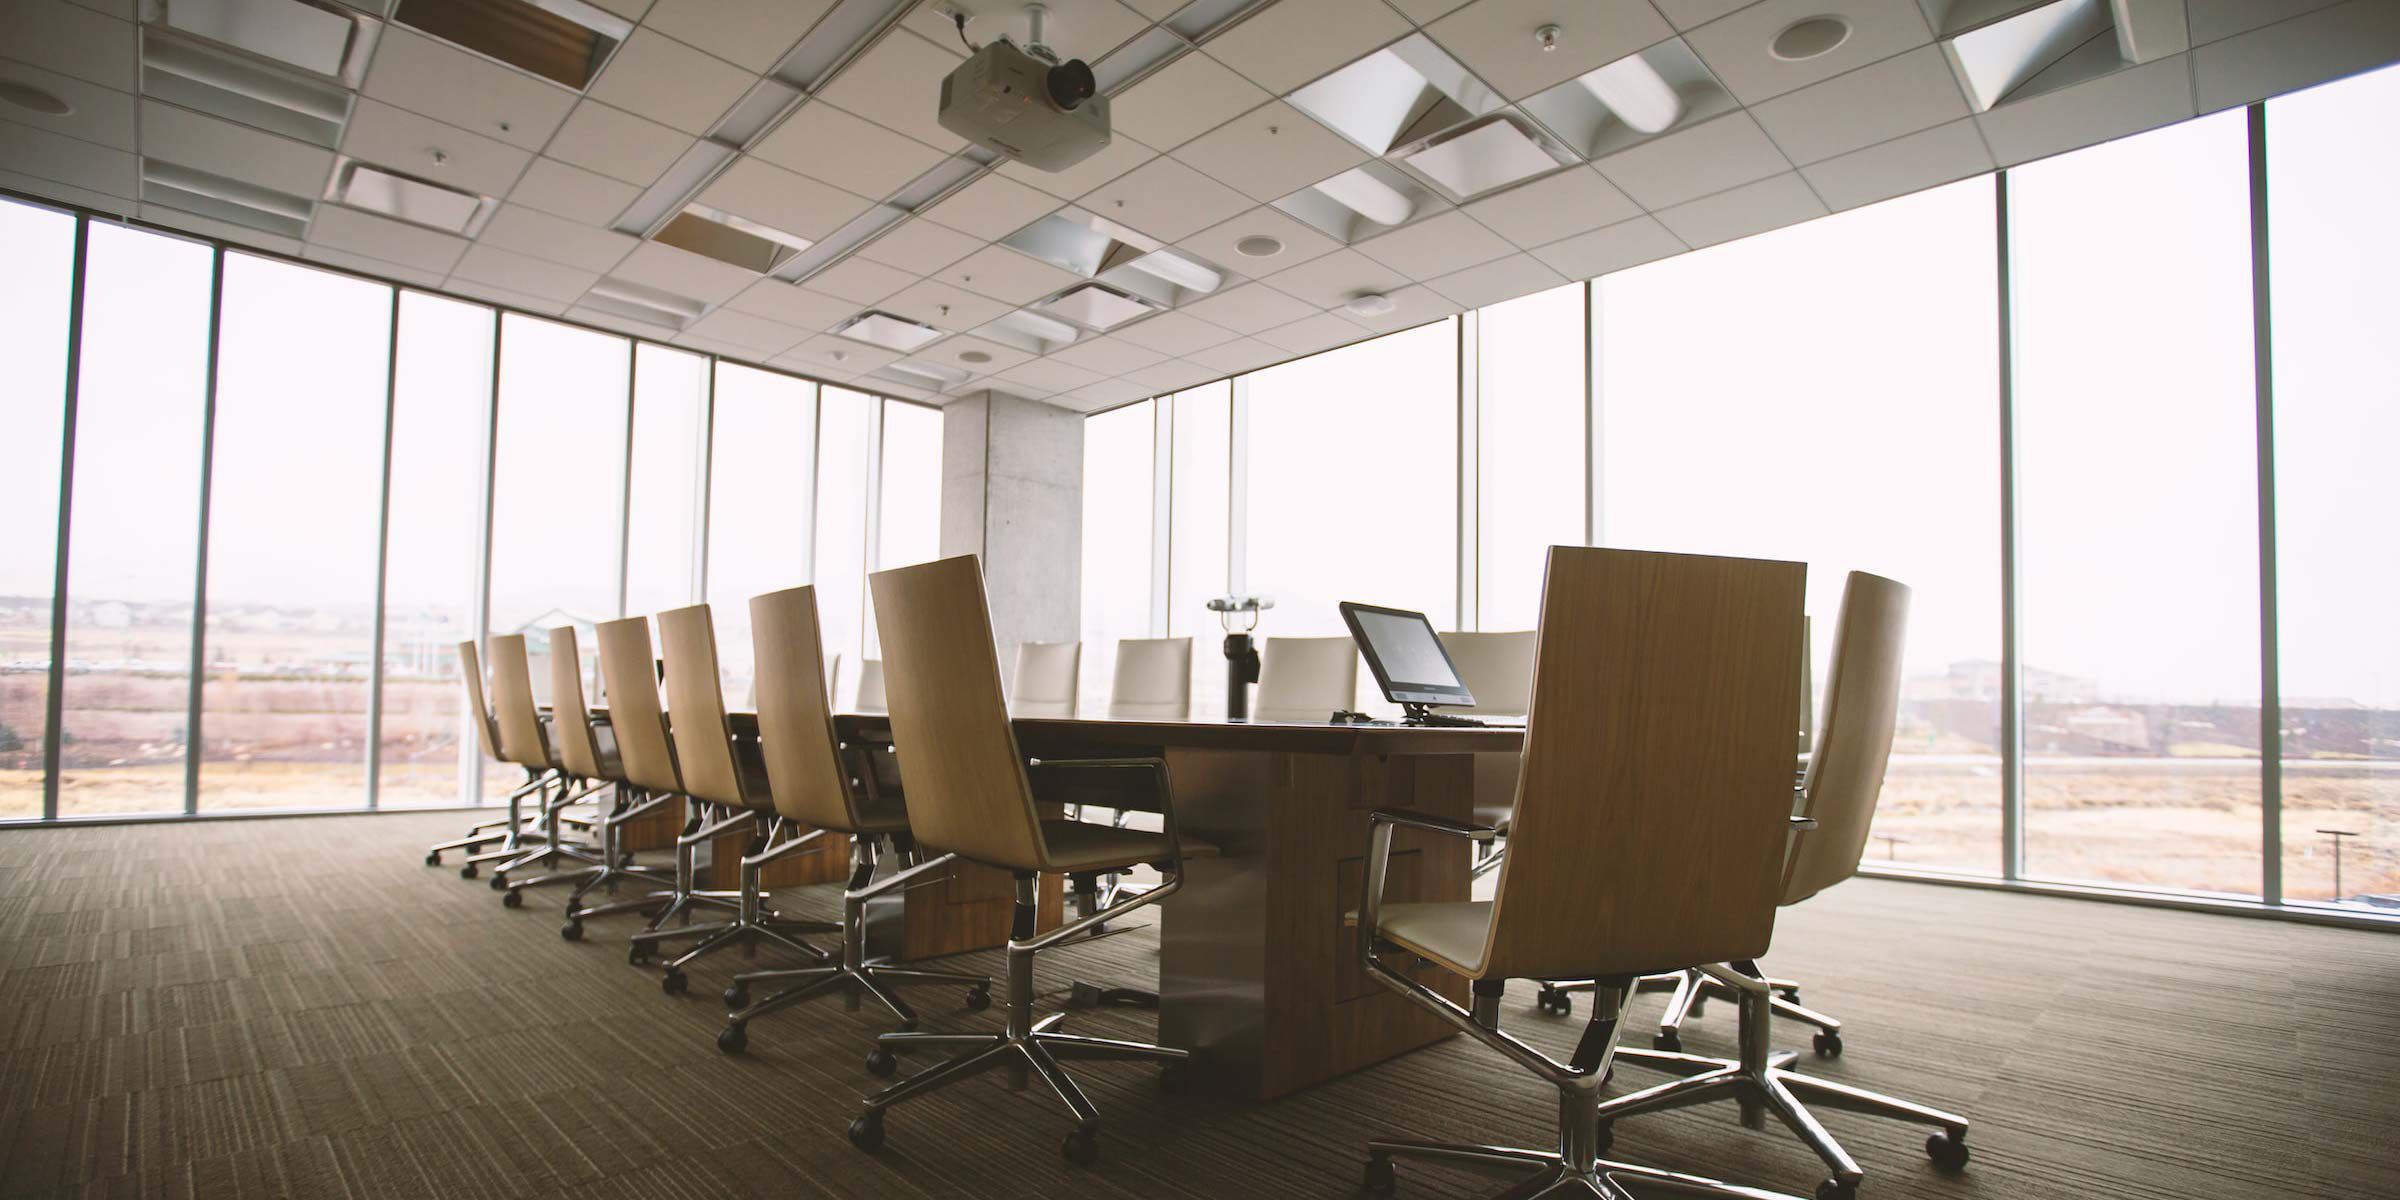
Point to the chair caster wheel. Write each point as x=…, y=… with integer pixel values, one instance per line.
x=571, y=931
x=433, y=859
x=1835, y=1189
x=866, y=1132
x=979, y=999
x=1667, y=1043
x=1382, y=1180
x=1948, y=1150
x=673, y=983
x=1790, y=995
x=1080, y=1148
x=737, y=995
x=638, y=955
x=1828, y=1044
x=512, y=899
x=882, y=1063
x=468, y=871
x=1554, y=1002
x=734, y=1038
x=499, y=882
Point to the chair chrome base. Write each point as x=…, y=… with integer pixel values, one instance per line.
x=1761, y=1083
x=1693, y=988
x=614, y=863
x=753, y=924
x=856, y=976
x=1575, y=1169
x=1026, y=1044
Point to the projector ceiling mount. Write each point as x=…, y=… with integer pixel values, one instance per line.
x=1023, y=101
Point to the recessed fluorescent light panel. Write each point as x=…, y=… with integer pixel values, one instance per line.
x=1405, y=92
x=639, y=302
x=1030, y=332
x=890, y=332
x=736, y=241
x=242, y=89
x=232, y=200
x=319, y=38
x=408, y=198
x=1631, y=100
x=1095, y=307
x=565, y=41
x=1361, y=202
x=918, y=373
x=1492, y=153
x=1998, y=60
x=1086, y=243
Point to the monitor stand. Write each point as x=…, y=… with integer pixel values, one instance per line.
x=1423, y=714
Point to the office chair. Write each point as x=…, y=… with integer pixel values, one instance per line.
x=810, y=780
x=1305, y=679
x=737, y=784
x=587, y=754
x=1498, y=669
x=1153, y=680
x=1047, y=679
x=972, y=793
x=870, y=697
x=1844, y=777
x=511, y=831
x=1650, y=820
x=525, y=742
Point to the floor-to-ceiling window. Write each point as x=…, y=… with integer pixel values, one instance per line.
x=1120, y=455
x=441, y=422
x=670, y=463
x=2333, y=182
x=1829, y=393
x=2138, y=510
x=140, y=418
x=38, y=244
x=759, y=505
x=845, y=447
x=1531, y=443
x=1199, y=508
x=908, y=495
x=294, y=508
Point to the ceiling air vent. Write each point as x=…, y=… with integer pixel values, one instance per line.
x=408, y=198
x=566, y=41
x=1494, y=152
x=648, y=305
x=321, y=39
x=735, y=241
x=1402, y=93
x=238, y=88
x=1095, y=307
x=888, y=331
x=2004, y=50
x=244, y=204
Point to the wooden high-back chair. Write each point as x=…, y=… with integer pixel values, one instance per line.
x=630, y=673
x=470, y=669
x=517, y=716
x=586, y=758
x=1047, y=679
x=1153, y=680
x=1305, y=679
x=508, y=833
x=579, y=751
x=1854, y=739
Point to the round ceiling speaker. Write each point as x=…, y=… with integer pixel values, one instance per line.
x=1810, y=38
x=1373, y=304
x=34, y=99
x=1259, y=245
x=974, y=356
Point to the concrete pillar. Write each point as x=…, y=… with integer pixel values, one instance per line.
x=1012, y=492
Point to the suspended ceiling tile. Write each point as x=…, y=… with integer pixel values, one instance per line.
x=1166, y=200
x=1493, y=282
x=367, y=264
x=1737, y=47
x=1336, y=278
x=64, y=193
x=995, y=357
x=1085, y=29
x=1907, y=164
x=602, y=319
x=71, y=40
x=1122, y=154
x=683, y=273
x=1107, y=355
x=781, y=200
x=557, y=239
x=224, y=231
x=1308, y=335
x=1614, y=248
x=67, y=160
x=179, y=135
x=893, y=84
x=506, y=297
x=752, y=34
x=757, y=335
x=524, y=273
x=1108, y=393
x=655, y=76
x=1281, y=46
x=1002, y=274
x=1183, y=100
x=828, y=354
x=1495, y=39
x=992, y=207
x=1690, y=14
x=618, y=144
x=1176, y=333
x=920, y=247
x=862, y=281
x=2306, y=50
x=1221, y=244
x=1685, y=164
x=1270, y=152
x=102, y=115
x=1250, y=308
x=847, y=151
x=1048, y=374
x=472, y=92
x=2213, y=20
x=942, y=306
x=1553, y=207
x=1173, y=375
x=1425, y=12
x=1240, y=354
x=1751, y=208
x=1876, y=103
x=631, y=10
x=793, y=305
x=1437, y=245
x=572, y=192
x=408, y=143
x=383, y=238
x=2128, y=101
x=1411, y=306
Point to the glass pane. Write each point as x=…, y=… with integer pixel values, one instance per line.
x=1529, y=359
x=908, y=514
x=1198, y=509
x=39, y=246
x=441, y=436
x=295, y=504
x=2333, y=185
x=1829, y=393
x=557, y=488
x=841, y=570
x=670, y=452
x=1328, y=434
x=2138, y=511
x=1119, y=457
x=758, y=506
x=138, y=419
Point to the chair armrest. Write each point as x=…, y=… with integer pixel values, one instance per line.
x=1431, y=824
x=1804, y=822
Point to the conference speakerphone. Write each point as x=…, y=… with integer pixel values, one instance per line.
x=1410, y=664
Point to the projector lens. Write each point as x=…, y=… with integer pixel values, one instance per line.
x=1071, y=84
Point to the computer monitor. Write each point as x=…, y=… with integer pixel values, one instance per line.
x=1410, y=663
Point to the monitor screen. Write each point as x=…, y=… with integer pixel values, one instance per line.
x=1406, y=655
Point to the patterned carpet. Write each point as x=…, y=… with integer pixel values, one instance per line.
x=300, y=1008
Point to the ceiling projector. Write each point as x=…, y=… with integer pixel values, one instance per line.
x=1024, y=103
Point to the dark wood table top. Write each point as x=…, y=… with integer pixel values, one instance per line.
x=1061, y=737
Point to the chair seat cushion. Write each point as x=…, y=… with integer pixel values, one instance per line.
x=1450, y=933
x=1085, y=846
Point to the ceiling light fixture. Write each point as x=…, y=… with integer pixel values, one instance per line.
x=1178, y=270
x=1636, y=92
x=309, y=36
x=938, y=374
x=33, y=99
x=1368, y=196
x=1369, y=304
x=888, y=331
x=1810, y=37
x=403, y=197
x=1096, y=307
